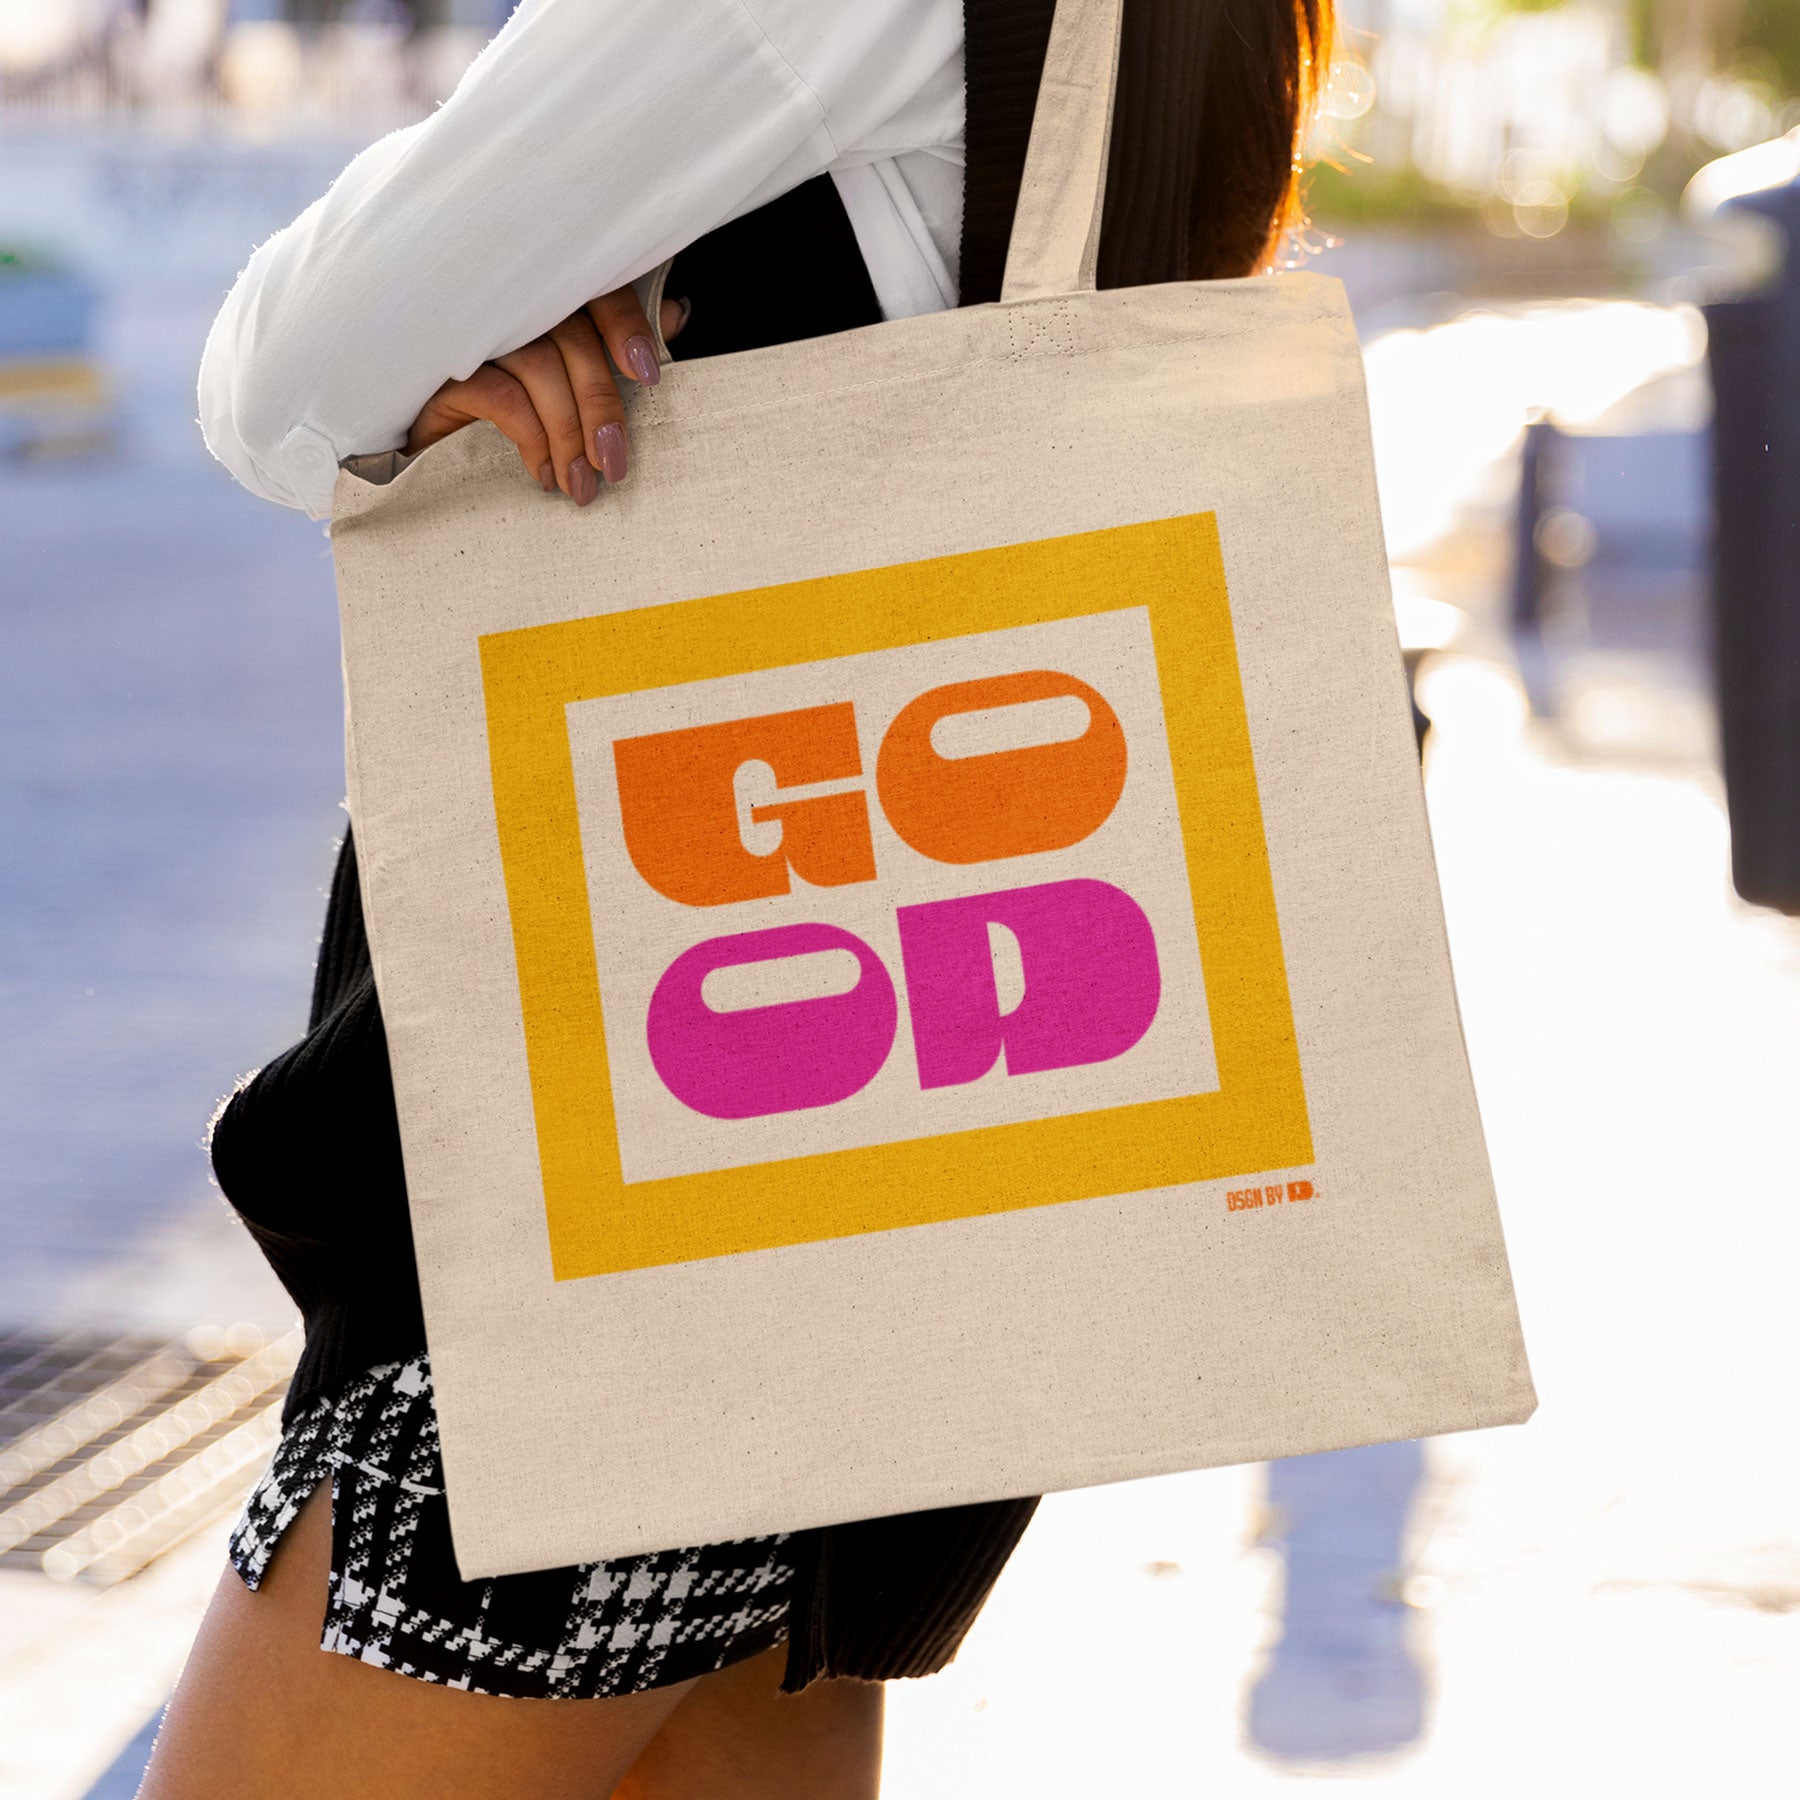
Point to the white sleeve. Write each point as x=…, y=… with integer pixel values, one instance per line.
x=590, y=140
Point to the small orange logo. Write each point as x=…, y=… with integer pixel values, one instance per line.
x=1248, y=1199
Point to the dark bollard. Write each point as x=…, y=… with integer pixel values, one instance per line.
x=1755, y=357
x=1530, y=575
x=1531, y=572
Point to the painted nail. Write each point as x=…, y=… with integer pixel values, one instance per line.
x=640, y=359
x=609, y=446
x=584, y=484
x=547, y=478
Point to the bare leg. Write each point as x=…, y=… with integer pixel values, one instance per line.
x=738, y=1737
x=261, y=1713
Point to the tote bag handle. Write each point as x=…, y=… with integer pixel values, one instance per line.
x=1055, y=242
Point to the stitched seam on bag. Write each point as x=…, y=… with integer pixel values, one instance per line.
x=1046, y=331
x=667, y=409
x=750, y=409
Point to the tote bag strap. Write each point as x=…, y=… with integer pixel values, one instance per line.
x=1056, y=229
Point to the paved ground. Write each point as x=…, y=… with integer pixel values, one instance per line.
x=1608, y=1592
x=170, y=760
x=170, y=777
x=168, y=729
x=1605, y=1600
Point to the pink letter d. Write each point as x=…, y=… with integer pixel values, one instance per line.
x=1092, y=981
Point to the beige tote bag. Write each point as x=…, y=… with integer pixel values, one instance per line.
x=907, y=934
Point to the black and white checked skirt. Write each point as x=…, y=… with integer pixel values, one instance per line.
x=396, y=1599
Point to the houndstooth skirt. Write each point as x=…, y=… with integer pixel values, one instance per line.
x=397, y=1601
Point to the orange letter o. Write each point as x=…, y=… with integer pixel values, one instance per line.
x=971, y=809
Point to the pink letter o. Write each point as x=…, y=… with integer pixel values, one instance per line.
x=770, y=1059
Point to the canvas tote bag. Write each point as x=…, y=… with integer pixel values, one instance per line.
x=907, y=933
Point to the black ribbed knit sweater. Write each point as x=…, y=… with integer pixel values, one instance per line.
x=308, y=1150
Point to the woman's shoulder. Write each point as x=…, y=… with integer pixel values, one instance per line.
x=887, y=74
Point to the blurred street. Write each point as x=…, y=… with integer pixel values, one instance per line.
x=1603, y=1600
x=168, y=706
x=170, y=724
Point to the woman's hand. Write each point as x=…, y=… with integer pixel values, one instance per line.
x=557, y=398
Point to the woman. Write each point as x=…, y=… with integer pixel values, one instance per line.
x=813, y=167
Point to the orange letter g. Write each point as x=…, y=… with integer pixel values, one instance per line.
x=678, y=801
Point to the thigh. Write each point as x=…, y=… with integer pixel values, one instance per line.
x=262, y=1713
x=736, y=1736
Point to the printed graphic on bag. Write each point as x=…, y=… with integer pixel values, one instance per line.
x=888, y=896
x=891, y=898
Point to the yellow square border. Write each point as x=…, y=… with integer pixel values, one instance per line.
x=1256, y=1118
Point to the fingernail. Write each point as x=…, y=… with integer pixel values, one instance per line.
x=609, y=445
x=687, y=312
x=584, y=484
x=547, y=478
x=640, y=359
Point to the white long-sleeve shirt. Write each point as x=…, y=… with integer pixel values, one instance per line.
x=591, y=140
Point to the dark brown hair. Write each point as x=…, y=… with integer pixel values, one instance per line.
x=1215, y=99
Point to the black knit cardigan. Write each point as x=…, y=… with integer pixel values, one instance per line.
x=308, y=1151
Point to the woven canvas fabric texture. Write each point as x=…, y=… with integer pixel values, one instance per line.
x=1168, y=486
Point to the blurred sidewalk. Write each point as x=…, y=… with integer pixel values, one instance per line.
x=1600, y=1601
x=170, y=738
x=170, y=745
x=1603, y=1599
